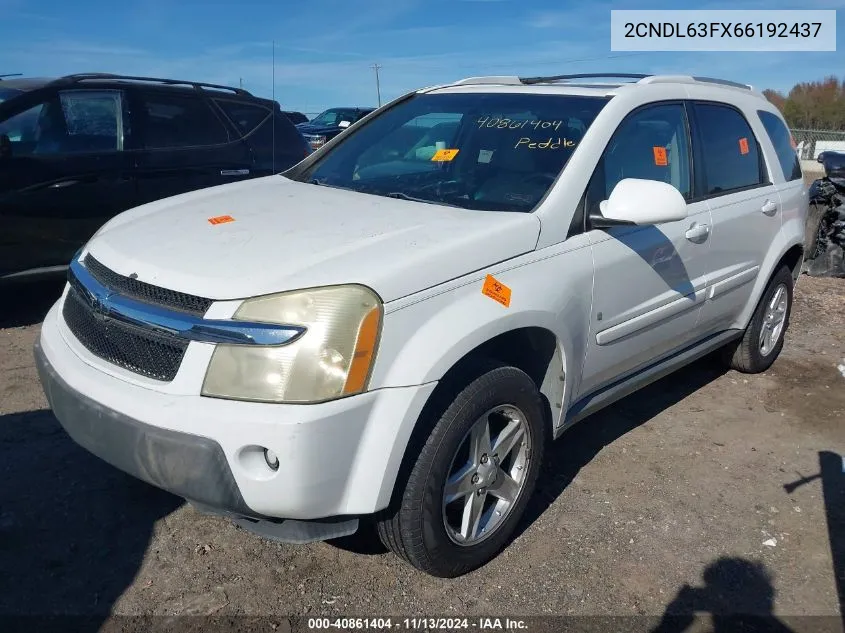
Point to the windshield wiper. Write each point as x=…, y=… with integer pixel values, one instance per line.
x=400, y=195
x=323, y=183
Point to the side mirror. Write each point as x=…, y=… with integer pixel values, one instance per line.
x=820, y=158
x=640, y=202
x=5, y=146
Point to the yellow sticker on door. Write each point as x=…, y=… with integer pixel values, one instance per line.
x=444, y=155
x=496, y=290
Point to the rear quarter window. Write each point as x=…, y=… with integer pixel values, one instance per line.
x=245, y=116
x=782, y=140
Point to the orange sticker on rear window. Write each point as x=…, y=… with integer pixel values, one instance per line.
x=221, y=219
x=660, y=157
x=444, y=155
x=496, y=290
x=743, y=146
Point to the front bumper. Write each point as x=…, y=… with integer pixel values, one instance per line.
x=190, y=466
x=336, y=459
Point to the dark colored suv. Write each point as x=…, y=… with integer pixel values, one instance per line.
x=295, y=117
x=78, y=150
x=326, y=125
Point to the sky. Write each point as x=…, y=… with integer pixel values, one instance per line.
x=325, y=49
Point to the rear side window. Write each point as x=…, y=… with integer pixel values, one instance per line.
x=730, y=155
x=174, y=120
x=245, y=116
x=782, y=140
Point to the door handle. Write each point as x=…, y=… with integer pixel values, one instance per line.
x=770, y=208
x=63, y=184
x=698, y=233
x=234, y=172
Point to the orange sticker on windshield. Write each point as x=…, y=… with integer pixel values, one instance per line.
x=660, y=158
x=743, y=146
x=444, y=155
x=496, y=290
x=221, y=219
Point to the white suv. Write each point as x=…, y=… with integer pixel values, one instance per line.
x=392, y=331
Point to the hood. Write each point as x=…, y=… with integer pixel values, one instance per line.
x=308, y=128
x=287, y=235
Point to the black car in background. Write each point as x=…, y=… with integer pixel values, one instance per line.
x=326, y=125
x=295, y=117
x=77, y=150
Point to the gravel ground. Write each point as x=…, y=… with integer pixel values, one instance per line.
x=678, y=495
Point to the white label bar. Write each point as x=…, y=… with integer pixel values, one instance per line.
x=723, y=30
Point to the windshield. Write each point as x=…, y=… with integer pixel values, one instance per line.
x=495, y=151
x=331, y=118
x=7, y=93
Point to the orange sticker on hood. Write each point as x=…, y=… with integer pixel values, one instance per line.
x=221, y=219
x=496, y=290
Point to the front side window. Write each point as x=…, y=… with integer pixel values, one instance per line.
x=177, y=120
x=498, y=151
x=782, y=140
x=650, y=144
x=729, y=151
x=72, y=122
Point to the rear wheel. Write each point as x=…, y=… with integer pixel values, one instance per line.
x=470, y=482
x=763, y=339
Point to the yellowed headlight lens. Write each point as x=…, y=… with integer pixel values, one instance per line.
x=332, y=358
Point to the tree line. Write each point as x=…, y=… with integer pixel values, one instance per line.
x=813, y=105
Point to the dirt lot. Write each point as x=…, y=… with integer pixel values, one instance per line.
x=685, y=483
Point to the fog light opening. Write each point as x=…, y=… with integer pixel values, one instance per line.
x=271, y=459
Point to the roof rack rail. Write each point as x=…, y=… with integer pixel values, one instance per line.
x=665, y=79
x=507, y=80
x=197, y=85
x=553, y=78
x=724, y=82
x=634, y=78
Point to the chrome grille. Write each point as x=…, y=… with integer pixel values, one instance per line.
x=146, y=292
x=154, y=354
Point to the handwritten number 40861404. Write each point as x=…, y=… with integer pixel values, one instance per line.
x=513, y=124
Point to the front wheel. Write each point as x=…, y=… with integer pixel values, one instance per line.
x=470, y=482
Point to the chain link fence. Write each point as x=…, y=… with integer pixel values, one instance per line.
x=810, y=143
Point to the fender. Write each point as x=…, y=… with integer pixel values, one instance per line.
x=426, y=335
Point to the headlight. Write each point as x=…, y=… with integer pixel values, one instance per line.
x=333, y=358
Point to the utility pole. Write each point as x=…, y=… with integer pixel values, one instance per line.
x=376, y=68
x=241, y=80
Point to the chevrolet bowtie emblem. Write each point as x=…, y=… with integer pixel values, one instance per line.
x=100, y=305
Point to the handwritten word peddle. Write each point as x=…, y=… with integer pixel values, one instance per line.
x=550, y=143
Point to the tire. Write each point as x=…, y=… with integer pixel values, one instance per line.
x=751, y=355
x=812, y=227
x=422, y=525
